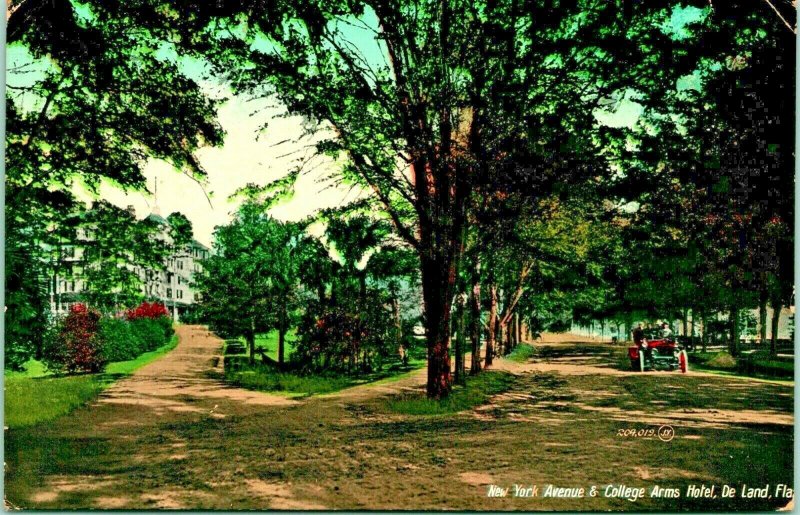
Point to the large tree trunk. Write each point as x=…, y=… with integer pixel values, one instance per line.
x=491, y=325
x=509, y=338
x=475, y=317
x=437, y=280
x=776, y=318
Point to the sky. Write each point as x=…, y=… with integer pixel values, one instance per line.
x=250, y=155
x=247, y=156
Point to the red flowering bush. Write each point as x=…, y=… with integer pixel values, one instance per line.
x=74, y=343
x=152, y=322
x=152, y=310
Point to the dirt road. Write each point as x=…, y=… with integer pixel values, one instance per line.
x=174, y=436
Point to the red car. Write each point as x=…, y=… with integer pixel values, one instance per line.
x=659, y=353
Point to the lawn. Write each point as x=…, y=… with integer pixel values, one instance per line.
x=265, y=378
x=35, y=396
x=269, y=342
x=475, y=392
x=759, y=364
x=521, y=353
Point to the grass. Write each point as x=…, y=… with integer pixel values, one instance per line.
x=34, y=396
x=266, y=379
x=33, y=368
x=269, y=342
x=522, y=353
x=29, y=401
x=757, y=365
x=476, y=392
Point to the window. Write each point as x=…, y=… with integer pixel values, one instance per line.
x=180, y=264
x=169, y=293
x=180, y=294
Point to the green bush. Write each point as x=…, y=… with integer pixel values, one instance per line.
x=166, y=326
x=763, y=364
x=150, y=332
x=121, y=342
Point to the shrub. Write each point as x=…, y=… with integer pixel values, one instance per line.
x=150, y=332
x=723, y=361
x=166, y=326
x=152, y=310
x=121, y=342
x=74, y=343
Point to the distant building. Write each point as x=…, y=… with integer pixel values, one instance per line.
x=170, y=284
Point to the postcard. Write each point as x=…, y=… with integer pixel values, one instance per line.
x=337, y=255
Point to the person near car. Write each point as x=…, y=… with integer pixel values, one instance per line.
x=638, y=335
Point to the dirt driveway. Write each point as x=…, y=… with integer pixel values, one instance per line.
x=174, y=436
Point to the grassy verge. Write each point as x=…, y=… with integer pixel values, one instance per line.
x=32, y=396
x=266, y=379
x=128, y=367
x=522, y=353
x=758, y=365
x=476, y=392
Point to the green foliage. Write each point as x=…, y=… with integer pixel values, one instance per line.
x=115, y=243
x=151, y=332
x=128, y=367
x=249, y=284
x=83, y=87
x=477, y=391
x=180, y=230
x=121, y=341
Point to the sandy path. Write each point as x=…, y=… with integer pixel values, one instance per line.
x=183, y=380
x=125, y=425
x=174, y=436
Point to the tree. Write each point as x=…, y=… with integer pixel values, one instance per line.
x=720, y=165
x=248, y=282
x=458, y=98
x=180, y=235
x=80, y=101
x=116, y=247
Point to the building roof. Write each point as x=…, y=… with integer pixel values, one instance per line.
x=157, y=218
